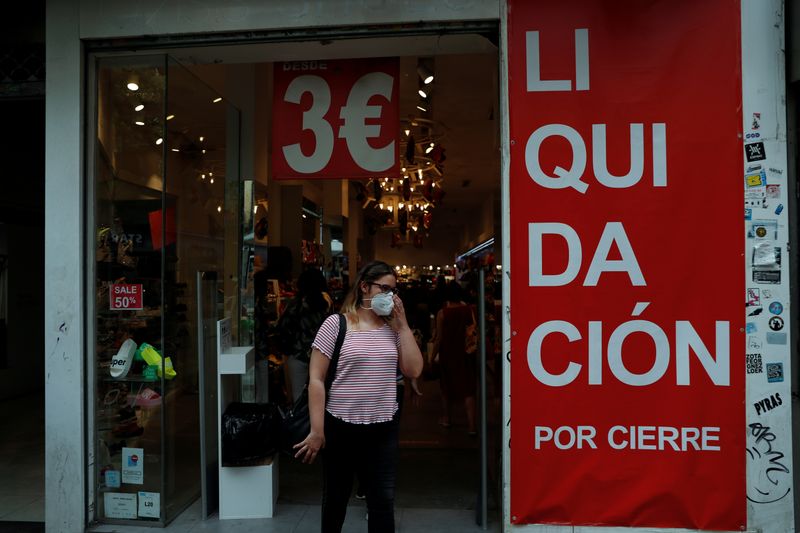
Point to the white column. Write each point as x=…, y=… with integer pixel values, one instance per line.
x=65, y=291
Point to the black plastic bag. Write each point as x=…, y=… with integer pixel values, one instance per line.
x=249, y=432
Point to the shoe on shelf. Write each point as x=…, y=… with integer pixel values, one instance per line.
x=146, y=398
x=130, y=428
x=121, y=362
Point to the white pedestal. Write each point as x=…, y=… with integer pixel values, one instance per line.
x=244, y=491
x=248, y=491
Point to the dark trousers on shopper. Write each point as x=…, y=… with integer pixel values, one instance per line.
x=366, y=450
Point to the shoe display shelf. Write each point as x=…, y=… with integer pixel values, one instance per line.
x=244, y=491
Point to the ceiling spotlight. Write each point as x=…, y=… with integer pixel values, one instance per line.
x=422, y=93
x=133, y=86
x=424, y=71
x=139, y=123
x=210, y=173
x=159, y=141
x=170, y=117
x=422, y=109
x=212, y=180
x=407, y=132
x=429, y=149
x=202, y=176
x=219, y=209
x=204, y=150
x=201, y=138
x=175, y=150
x=139, y=107
x=217, y=99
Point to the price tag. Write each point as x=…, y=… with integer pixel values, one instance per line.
x=149, y=504
x=126, y=297
x=336, y=119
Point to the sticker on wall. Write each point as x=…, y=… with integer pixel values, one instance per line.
x=755, y=364
x=776, y=323
x=751, y=327
x=120, y=505
x=149, y=504
x=776, y=308
x=766, y=294
x=755, y=152
x=752, y=136
x=774, y=337
x=133, y=465
x=112, y=479
x=754, y=343
x=752, y=297
x=779, y=209
x=748, y=213
x=768, y=404
x=756, y=197
x=766, y=261
x=773, y=191
x=774, y=170
x=774, y=372
x=755, y=179
x=763, y=229
x=755, y=124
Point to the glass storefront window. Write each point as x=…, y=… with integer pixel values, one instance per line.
x=166, y=208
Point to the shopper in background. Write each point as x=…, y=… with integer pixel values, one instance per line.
x=458, y=374
x=355, y=422
x=298, y=324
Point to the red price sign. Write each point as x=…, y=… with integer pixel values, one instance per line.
x=125, y=297
x=336, y=119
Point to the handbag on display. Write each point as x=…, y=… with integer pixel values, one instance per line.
x=296, y=421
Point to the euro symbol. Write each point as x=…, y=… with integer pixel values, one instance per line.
x=355, y=131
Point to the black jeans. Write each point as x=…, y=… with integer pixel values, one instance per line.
x=370, y=451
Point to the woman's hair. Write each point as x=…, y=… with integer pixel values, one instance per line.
x=310, y=286
x=453, y=292
x=368, y=274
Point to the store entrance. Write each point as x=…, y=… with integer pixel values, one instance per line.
x=442, y=231
x=436, y=220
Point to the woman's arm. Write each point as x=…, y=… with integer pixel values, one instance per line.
x=318, y=370
x=409, y=356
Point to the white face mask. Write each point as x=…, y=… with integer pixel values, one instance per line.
x=383, y=303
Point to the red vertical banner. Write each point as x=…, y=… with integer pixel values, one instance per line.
x=627, y=351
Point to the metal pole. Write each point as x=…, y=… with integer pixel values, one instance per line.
x=484, y=522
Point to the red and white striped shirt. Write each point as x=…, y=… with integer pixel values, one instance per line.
x=364, y=390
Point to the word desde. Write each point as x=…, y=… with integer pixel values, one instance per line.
x=629, y=438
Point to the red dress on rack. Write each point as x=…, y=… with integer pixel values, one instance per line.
x=458, y=372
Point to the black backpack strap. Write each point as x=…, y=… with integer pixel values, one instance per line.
x=336, y=349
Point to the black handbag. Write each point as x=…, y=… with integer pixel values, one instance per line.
x=296, y=422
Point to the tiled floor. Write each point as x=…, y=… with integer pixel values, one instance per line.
x=436, y=487
x=292, y=518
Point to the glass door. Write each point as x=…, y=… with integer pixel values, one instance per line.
x=166, y=191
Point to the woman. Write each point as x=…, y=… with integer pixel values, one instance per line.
x=458, y=369
x=296, y=327
x=355, y=421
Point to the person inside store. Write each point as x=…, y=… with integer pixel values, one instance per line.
x=298, y=324
x=457, y=368
x=354, y=425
